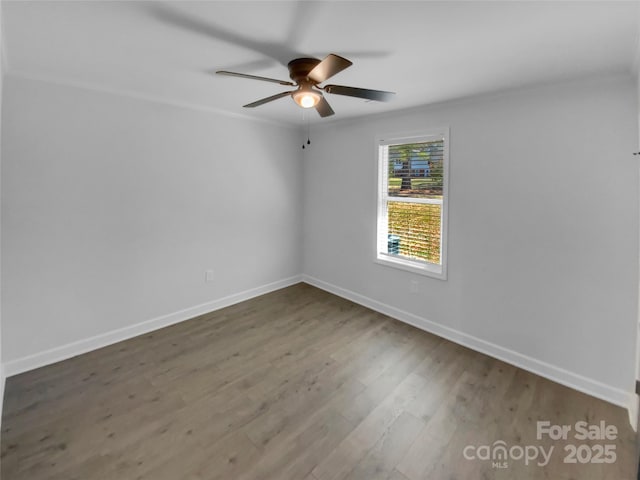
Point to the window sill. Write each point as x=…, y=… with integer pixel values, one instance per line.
x=421, y=268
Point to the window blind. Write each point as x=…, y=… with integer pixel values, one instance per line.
x=411, y=200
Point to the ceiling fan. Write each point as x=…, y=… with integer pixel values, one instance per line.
x=307, y=73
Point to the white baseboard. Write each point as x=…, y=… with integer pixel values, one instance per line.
x=552, y=372
x=64, y=352
x=3, y=379
x=557, y=374
x=633, y=411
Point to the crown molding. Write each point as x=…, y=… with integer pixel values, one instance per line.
x=20, y=75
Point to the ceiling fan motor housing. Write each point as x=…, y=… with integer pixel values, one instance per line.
x=300, y=67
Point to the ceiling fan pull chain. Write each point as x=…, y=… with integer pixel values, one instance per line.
x=308, y=129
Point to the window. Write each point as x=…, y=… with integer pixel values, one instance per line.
x=412, y=202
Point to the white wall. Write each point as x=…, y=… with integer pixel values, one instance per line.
x=543, y=238
x=114, y=207
x=637, y=150
x=2, y=69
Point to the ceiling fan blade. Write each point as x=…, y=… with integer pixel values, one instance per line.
x=174, y=15
x=324, y=109
x=378, y=95
x=255, y=77
x=257, y=103
x=328, y=67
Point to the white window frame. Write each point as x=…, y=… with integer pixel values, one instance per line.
x=429, y=269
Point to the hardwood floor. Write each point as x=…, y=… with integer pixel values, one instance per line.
x=297, y=384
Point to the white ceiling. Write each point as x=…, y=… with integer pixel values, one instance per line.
x=427, y=52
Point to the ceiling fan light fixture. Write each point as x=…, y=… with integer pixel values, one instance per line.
x=306, y=98
x=307, y=74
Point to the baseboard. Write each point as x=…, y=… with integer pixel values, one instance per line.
x=64, y=352
x=3, y=379
x=633, y=411
x=557, y=374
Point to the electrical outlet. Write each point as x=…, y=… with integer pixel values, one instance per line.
x=208, y=276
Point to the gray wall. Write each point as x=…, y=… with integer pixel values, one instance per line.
x=113, y=208
x=543, y=226
x=2, y=69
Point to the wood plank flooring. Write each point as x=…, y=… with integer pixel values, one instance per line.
x=297, y=384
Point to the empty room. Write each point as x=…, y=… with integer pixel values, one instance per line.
x=319, y=240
